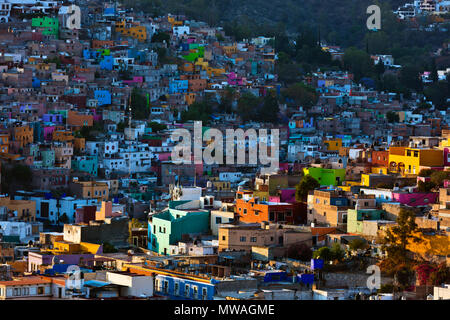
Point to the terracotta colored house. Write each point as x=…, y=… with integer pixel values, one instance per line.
x=251, y=210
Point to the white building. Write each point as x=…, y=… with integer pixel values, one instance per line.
x=132, y=285
x=442, y=293
x=230, y=176
x=181, y=30
x=23, y=230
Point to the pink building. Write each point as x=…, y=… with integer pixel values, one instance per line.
x=286, y=195
x=415, y=199
x=446, y=157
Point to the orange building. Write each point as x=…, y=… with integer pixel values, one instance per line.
x=4, y=143
x=24, y=135
x=80, y=144
x=251, y=210
x=195, y=82
x=380, y=158
x=62, y=136
x=79, y=120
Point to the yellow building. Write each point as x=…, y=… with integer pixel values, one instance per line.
x=134, y=31
x=174, y=22
x=333, y=144
x=64, y=247
x=409, y=161
x=379, y=170
x=229, y=50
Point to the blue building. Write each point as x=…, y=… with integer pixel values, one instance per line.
x=178, y=86
x=103, y=97
x=177, y=288
x=53, y=210
x=107, y=63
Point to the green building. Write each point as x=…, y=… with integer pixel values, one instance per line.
x=48, y=26
x=87, y=164
x=198, y=53
x=48, y=158
x=326, y=177
x=166, y=228
x=356, y=217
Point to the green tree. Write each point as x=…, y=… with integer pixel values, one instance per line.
x=426, y=186
x=397, y=238
x=302, y=95
x=392, y=117
x=247, y=106
x=139, y=108
x=358, y=62
x=156, y=127
x=438, y=177
x=409, y=77
x=300, y=252
x=198, y=111
x=306, y=184
x=270, y=109
x=323, y=253
x=15, y=177
x=161, y=37
x=357, y=244
x=109, y=248
x=336, y=252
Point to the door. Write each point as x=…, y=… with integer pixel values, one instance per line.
x=44, y=209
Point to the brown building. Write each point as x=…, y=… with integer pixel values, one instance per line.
x=328, y=207
x=90, y=190
x=244, y=237
x=26, y=209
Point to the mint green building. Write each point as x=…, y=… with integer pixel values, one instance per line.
x=48, y=158
x=355, y=218
x=48, y=26
x=326, y=177
x=166, y=228
x=87, y=164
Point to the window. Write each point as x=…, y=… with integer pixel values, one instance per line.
x=253, y=239
x=186, y=290
x=218, y=220
x=40, y=290
x=224, y=238
x=243, y=239
x=176, y=289
x=204, y=293
x=271, y=216
x=195, y=292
